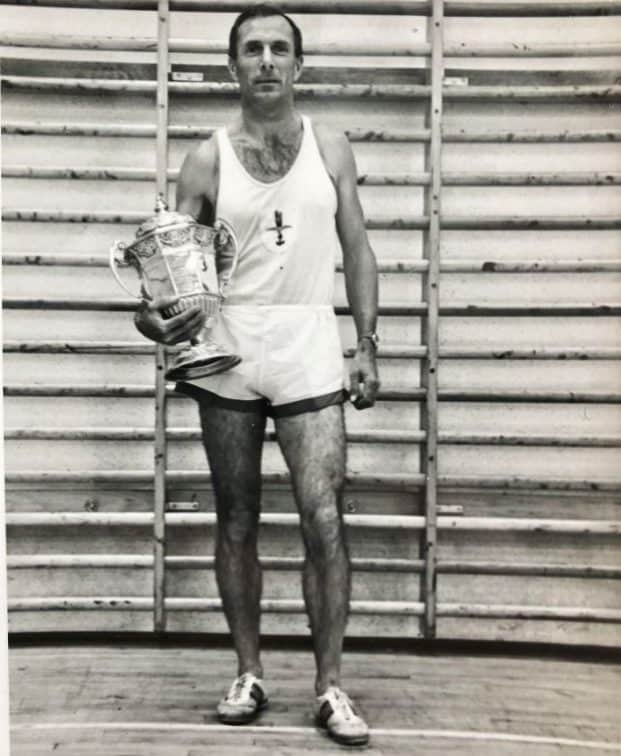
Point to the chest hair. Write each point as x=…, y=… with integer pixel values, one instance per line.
x=269, y=160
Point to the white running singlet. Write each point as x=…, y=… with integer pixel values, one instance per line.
x=286, y=229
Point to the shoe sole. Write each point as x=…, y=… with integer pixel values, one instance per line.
x=245, y=718
x=355, y=740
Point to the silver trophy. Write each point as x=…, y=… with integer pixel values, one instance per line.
x=176, y=256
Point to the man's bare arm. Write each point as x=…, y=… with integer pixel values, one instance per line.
x=359, y=264
x=198, y=181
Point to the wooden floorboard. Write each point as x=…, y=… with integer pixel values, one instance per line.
x=159, y=700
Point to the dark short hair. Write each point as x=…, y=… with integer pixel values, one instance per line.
x=263, y=10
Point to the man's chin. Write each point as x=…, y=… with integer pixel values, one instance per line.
x=269, y=95
x=268, y=87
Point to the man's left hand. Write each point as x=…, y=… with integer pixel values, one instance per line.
x=364, y=381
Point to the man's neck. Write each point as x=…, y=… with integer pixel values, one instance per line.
x=264, y=124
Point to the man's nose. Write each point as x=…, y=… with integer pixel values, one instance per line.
x=266, y=59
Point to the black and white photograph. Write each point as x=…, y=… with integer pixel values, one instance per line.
x=311, y=375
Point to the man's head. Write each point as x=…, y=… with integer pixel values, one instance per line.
x=265, y=55
x=263, y=10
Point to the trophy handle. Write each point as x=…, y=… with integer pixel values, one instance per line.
x=225, y=275
x=114, y=260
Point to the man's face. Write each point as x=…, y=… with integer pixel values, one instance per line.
x=266, y=66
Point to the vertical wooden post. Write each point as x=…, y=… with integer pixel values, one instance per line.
x=160, y=450
x=431, y=293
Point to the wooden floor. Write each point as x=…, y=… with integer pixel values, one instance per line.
x=131, y=699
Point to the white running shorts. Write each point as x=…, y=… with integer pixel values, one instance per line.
x=292, y=360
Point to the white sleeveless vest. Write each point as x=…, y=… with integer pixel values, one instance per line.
x=286, y=229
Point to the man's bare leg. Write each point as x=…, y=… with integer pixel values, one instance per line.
x=233, y=441
x=313, y=445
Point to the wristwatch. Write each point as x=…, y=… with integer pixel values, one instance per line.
x=372, y=337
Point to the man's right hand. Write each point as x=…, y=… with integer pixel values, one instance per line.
x=182, y=327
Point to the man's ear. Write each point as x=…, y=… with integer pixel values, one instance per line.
x=299, y=65
x=233, y=69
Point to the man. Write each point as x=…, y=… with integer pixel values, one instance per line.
x=288, y=188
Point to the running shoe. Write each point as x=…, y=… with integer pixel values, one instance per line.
x=244, y=701
x=335, y=712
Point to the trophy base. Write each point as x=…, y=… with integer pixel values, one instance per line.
x=200, y=361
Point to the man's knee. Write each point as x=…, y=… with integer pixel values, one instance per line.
x=238, y=525
x=323, y=533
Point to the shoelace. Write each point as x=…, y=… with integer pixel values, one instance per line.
x=238, y=687
x=344, y=704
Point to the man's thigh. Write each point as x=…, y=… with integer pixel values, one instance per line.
x=233, y=441
x=313, y=445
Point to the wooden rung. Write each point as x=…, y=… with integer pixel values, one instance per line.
x=45, y=259
x=379, y=481
x=296, y=606
x=529, y=396
x=112, y=561
x=28, y=128
x=135, y=218
x=195, y=519
x=187, y=434
x=530, y=310
x=386, y=351
x=583, y=178
x=51, y=389
x=530, y=223
x=82, y=603
x=534, y=50
x=501, y=8
x=562, y=441
x=45, y=561
x=221, y=89
x=374, y=47
x=411, y=223
x=357, y=437
x=530, y=266
x=574, y=178
x=530, y=525
x=375, y=7
x=607, y=572
x=502, y=611
x=347, y=47
x=528, y=483
x=533, y=92
x=396, y=522
x=384, y=266
x=531, y=8
x=532, y=136
x=132, y=348
x=387, y=310
x=144, y=478
x=415, y=566
x=390, y=395
x=544, y=353
x=140, y=603
x=598, y=93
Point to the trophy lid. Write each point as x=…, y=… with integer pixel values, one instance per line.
x=163, y=218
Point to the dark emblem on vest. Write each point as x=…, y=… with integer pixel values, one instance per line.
x=279, y=228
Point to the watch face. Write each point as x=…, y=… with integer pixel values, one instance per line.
x=372, y=337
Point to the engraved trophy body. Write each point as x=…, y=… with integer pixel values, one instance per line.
x=176, y=256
